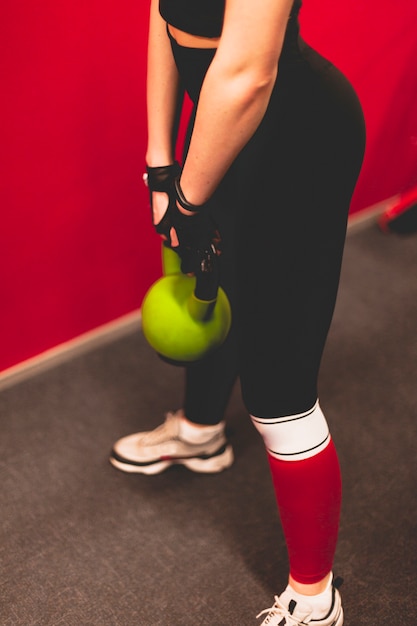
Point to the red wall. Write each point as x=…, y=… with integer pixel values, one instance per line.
x=77, y=249
x=75, y=242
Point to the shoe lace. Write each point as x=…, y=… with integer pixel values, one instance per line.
x=279, y=610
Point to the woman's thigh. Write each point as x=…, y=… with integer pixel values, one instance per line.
x=296, y=178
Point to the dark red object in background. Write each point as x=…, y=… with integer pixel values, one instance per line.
x=77, y=248
x=400, y=216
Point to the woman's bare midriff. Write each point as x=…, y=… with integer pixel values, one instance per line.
x=187, y=40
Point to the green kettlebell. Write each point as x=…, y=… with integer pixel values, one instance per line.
x=185, y=317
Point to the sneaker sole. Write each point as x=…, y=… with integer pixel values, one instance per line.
x=211, y=465
x=340, y=619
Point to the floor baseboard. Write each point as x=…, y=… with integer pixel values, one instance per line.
x=63, y=352
x=363, y=218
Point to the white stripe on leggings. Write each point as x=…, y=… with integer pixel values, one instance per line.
x=294, y=437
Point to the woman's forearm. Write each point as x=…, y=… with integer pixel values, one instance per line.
x=163, y=93
x=235, y=93
x=231, y=106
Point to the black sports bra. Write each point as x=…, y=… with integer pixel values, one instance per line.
x=200, y=17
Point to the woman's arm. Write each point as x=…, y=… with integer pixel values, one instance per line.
x=235, y=92
x=163, y=94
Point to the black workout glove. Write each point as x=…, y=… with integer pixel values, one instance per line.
x=198, y=237
x=162, y=179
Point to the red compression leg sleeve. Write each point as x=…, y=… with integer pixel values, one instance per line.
x=308, y=494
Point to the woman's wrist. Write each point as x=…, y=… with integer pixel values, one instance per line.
x=183, y=205
x=193, y=189
x=158, y=158
x=162, y=177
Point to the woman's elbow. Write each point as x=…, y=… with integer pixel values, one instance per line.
x=242, y=82
x=260, y=83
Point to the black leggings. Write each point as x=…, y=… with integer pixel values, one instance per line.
x=282, y=211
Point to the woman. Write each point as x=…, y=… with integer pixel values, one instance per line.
x=275, y=148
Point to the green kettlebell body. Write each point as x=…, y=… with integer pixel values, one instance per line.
x=178, y=325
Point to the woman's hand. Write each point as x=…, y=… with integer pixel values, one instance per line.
x=188, y=229
x=197, y=235
x=159, y=207
x=160, y=181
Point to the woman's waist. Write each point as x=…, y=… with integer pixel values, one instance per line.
x=188, y=40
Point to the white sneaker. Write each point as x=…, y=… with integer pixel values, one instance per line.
x=287, y=612
x=153, y=451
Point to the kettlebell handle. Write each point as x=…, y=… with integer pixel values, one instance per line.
x=203, y=300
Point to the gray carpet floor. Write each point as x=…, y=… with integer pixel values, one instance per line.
x=83, y=544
